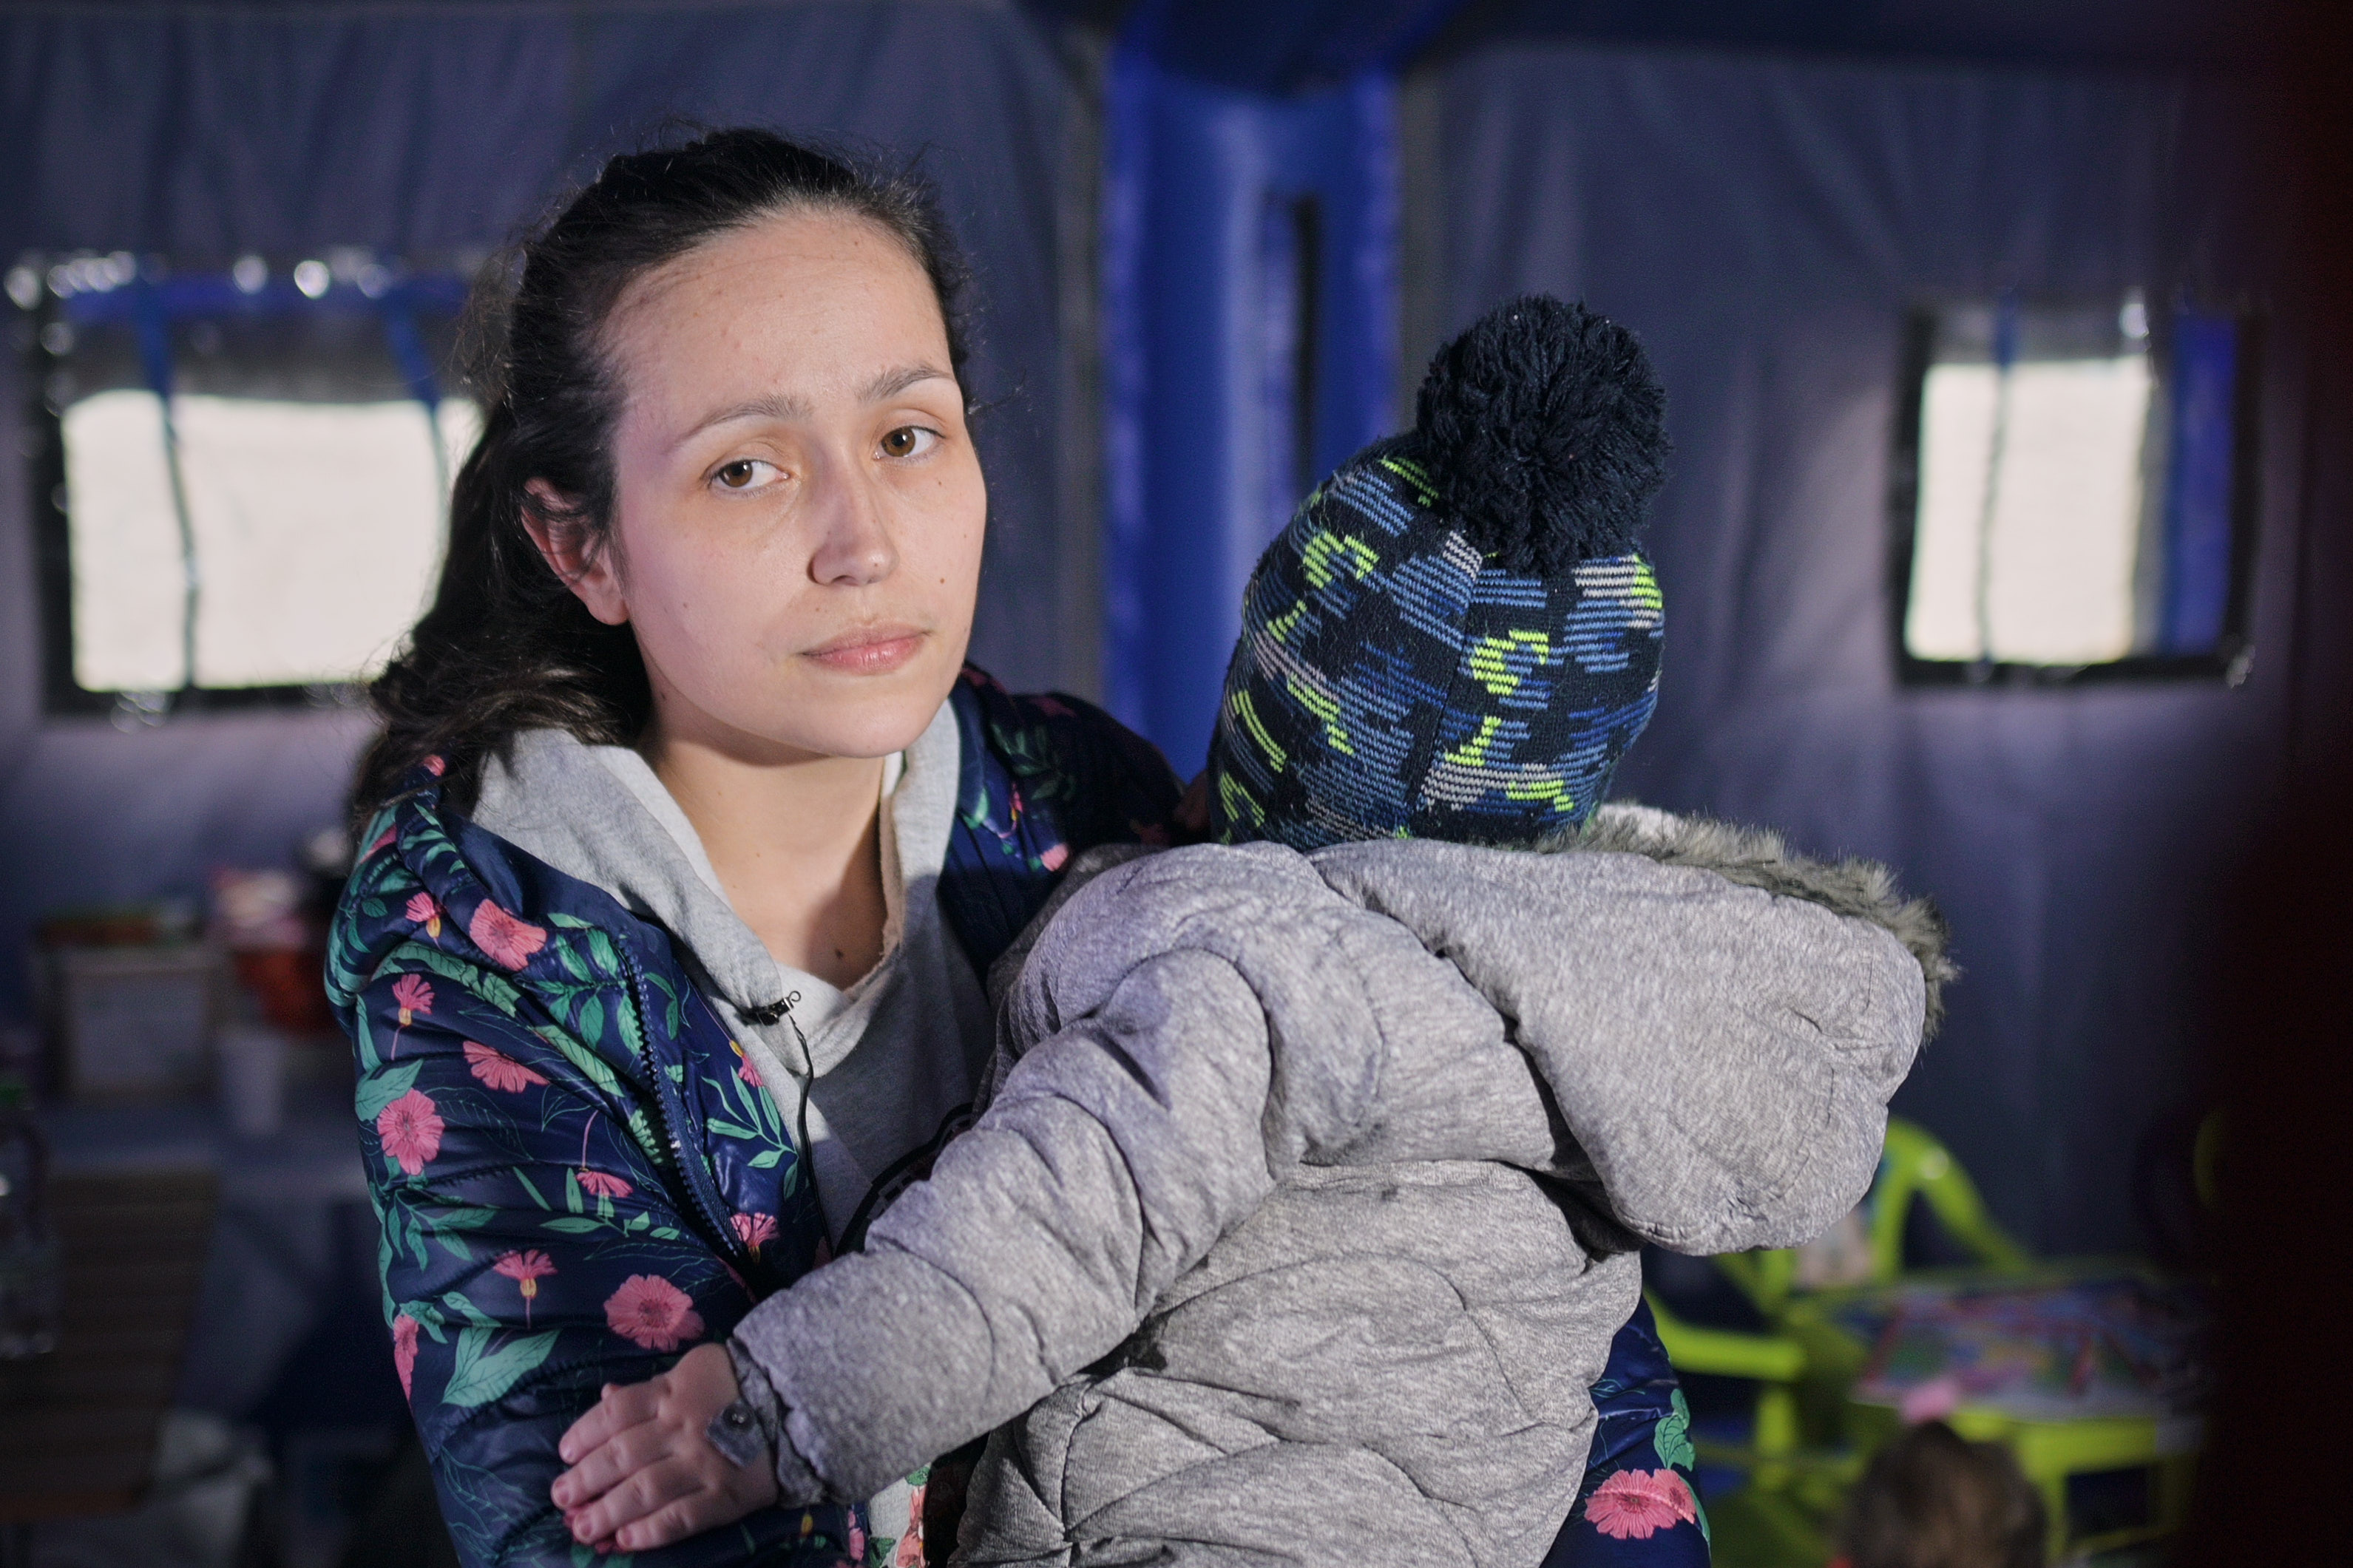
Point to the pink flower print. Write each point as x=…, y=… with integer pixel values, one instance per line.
x=603, y=1185
x=500, y=1070
x=1053, y=857
x=414, y=995
x=1051, y=709
x=743, y=1068
x=386, y=837
x=410, y=1131
x=752, y=1229
x=527, y=1269
x=1634, y=1505
x=436, y=766
x=509, y=942
x=857, y=1538
x=425, y=909
x=403, y=1350
x=911, y=1545
x=654, y=1312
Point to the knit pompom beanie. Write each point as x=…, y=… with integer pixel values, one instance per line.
x=1455, y=637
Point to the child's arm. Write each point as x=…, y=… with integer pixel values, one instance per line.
x=1024, y=1257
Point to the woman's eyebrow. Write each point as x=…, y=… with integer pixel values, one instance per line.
x=889, y=383
x=892, y=383
x=770, y=408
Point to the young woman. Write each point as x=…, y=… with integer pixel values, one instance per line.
x=691, y=836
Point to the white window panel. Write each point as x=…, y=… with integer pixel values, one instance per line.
x=2066, y=519
x=318, y=528
x=123, y=540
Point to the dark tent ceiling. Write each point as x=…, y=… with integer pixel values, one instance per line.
x=1282, y=45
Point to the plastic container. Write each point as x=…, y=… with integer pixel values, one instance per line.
x=30, y=1272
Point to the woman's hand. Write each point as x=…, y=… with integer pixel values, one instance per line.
x=643, y=1473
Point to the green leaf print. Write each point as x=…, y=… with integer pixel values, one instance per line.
x=1672, y=1437
x=402, y=1233
x=590, y=1020
x=674, y=1014
x=483, y=1375
x=569, y=922
x=599, y=1072
x=600, y=951
x=365, y=1041
x=570, y=960
x=642, y=1131
x=459, y=1303
x=572, y=1225
x=381, y=1088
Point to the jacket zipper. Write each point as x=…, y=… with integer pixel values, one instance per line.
x=668, y=1120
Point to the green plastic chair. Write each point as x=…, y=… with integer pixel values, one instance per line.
x=1797, y=1470
x=1809, y=1445
x=1914, y=1164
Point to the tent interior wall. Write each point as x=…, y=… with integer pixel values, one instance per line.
x=1763, y=201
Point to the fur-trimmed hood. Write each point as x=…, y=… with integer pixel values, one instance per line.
x=1761, y=857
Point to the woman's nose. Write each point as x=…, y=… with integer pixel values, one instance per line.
x=854, y=547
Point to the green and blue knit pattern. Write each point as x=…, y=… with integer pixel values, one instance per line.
x=1393, y=681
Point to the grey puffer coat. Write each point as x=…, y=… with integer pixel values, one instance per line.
x=1302, y=1224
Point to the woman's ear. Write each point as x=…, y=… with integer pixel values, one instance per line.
x=570, y=552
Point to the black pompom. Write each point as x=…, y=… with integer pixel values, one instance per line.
x=1544, y=428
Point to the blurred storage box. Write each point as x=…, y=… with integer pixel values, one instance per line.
x=133, y=1022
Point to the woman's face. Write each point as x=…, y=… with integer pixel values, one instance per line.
x=799, y=507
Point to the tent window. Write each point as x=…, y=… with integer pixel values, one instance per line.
x=246, y=488
x=2074, y=493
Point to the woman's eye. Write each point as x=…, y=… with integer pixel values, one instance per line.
x=909, y=441
x=739, y=475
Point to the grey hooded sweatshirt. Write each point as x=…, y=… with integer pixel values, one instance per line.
x=1300, y=1227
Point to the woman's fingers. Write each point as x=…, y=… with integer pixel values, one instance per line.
x=623, y=1406
x=646, y=1492
x=610, y=1463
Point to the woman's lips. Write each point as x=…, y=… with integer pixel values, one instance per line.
x=871, y=650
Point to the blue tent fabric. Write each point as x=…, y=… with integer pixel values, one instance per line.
x=1202, y=310
x=435, y=131
x=1766, y=225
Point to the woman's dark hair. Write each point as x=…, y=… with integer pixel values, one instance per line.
x=505, y=645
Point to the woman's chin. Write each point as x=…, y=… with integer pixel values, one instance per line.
x=860, y=716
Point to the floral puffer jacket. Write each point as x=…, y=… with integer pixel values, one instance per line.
x=578, y=1176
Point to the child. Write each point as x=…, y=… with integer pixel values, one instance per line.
x=1933, y=1500
x=1306, y=1209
